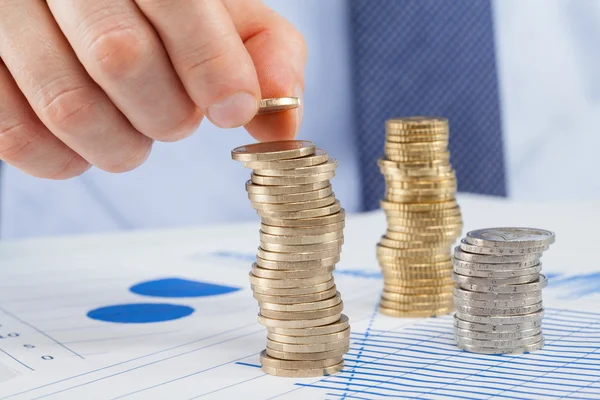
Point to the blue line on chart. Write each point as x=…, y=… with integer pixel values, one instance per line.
x=180, y=378
x=248, y=364
x=40, y=332
x=553, y=372
x=23, y=364
x=127, y=361
x=366, y=335
x=145, y=365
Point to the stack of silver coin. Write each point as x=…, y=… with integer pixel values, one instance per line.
x=498, y=291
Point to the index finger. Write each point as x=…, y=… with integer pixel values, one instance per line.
x=279, y=54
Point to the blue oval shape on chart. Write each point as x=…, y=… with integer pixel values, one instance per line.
x=176, y=287
x=140, y=313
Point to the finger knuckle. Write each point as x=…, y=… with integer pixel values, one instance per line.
x=65, y=107
x=129, y=160
x=120, y=52
x=208, y=63
x=69, y=168
x=17, y=140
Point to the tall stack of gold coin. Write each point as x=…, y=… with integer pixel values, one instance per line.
x=300, y=243
x=423, y=218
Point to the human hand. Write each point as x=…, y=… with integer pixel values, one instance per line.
x=95, y=82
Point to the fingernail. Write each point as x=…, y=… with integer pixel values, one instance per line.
x=300, y=110
x=236, y=110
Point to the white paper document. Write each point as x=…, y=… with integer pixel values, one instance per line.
x=170, y=315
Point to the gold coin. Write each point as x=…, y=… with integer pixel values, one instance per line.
x=291, y=180
x=408, y=169
x=417, y=282
x=326, y=167
x=301, y=239
x=421, y=158
x=446, y=229
x=303, y=231
x=307, y=298
x=336, y=326
x=417, y=123
x=267, y=360
x=422, y=184
x=308, y=256
x=302, y=248
x=421, y=138
x=304, y=205
x=297, y=265
x=432, y=289
x=393, y=189
x=307, y=222
x=303, y=214
x=418, y=146
x=403, y=198
x=403, y=260
x=425, y=222
x=451, y=212
x=278, y=104
x=438, y=252
x=288, y=283
x=412, y=306
x=415, y=313
x=409, y=275
x=431, y=255
x=304, y=315
x=406, y=244
x=418, y=298
x=284, y=355
x=393, y=265
x=327, y=338
x=304, y=373
x=269, y=151
x=400, y=150
x=315, y=305
x=291, y=198
x=295, y=291
x=307, y=348
x=437, y=239
x=296, y=324
x=397, y=176
x=414, y=207
x=290, y=189
x=319, y=157
x=293, y=274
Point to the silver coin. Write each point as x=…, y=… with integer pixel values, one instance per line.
x=498, y=328
x=467, y=295
x=498, y=274
x=496, y=335
x=494, y=267
x=497, y=303
x=499, y=320
x=492, y=259
x=541, y=283
x=515, y=280
x=500, y=311
x=510, y=237
x=526, y=341
x=501, y=251
x=489, y=350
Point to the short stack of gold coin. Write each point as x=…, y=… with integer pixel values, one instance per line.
x=301, y=237
x=423, y=218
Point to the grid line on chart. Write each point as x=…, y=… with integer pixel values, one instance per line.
x=422, y=360
x=40, y=332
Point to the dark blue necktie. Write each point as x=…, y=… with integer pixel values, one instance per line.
x=428, y=57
